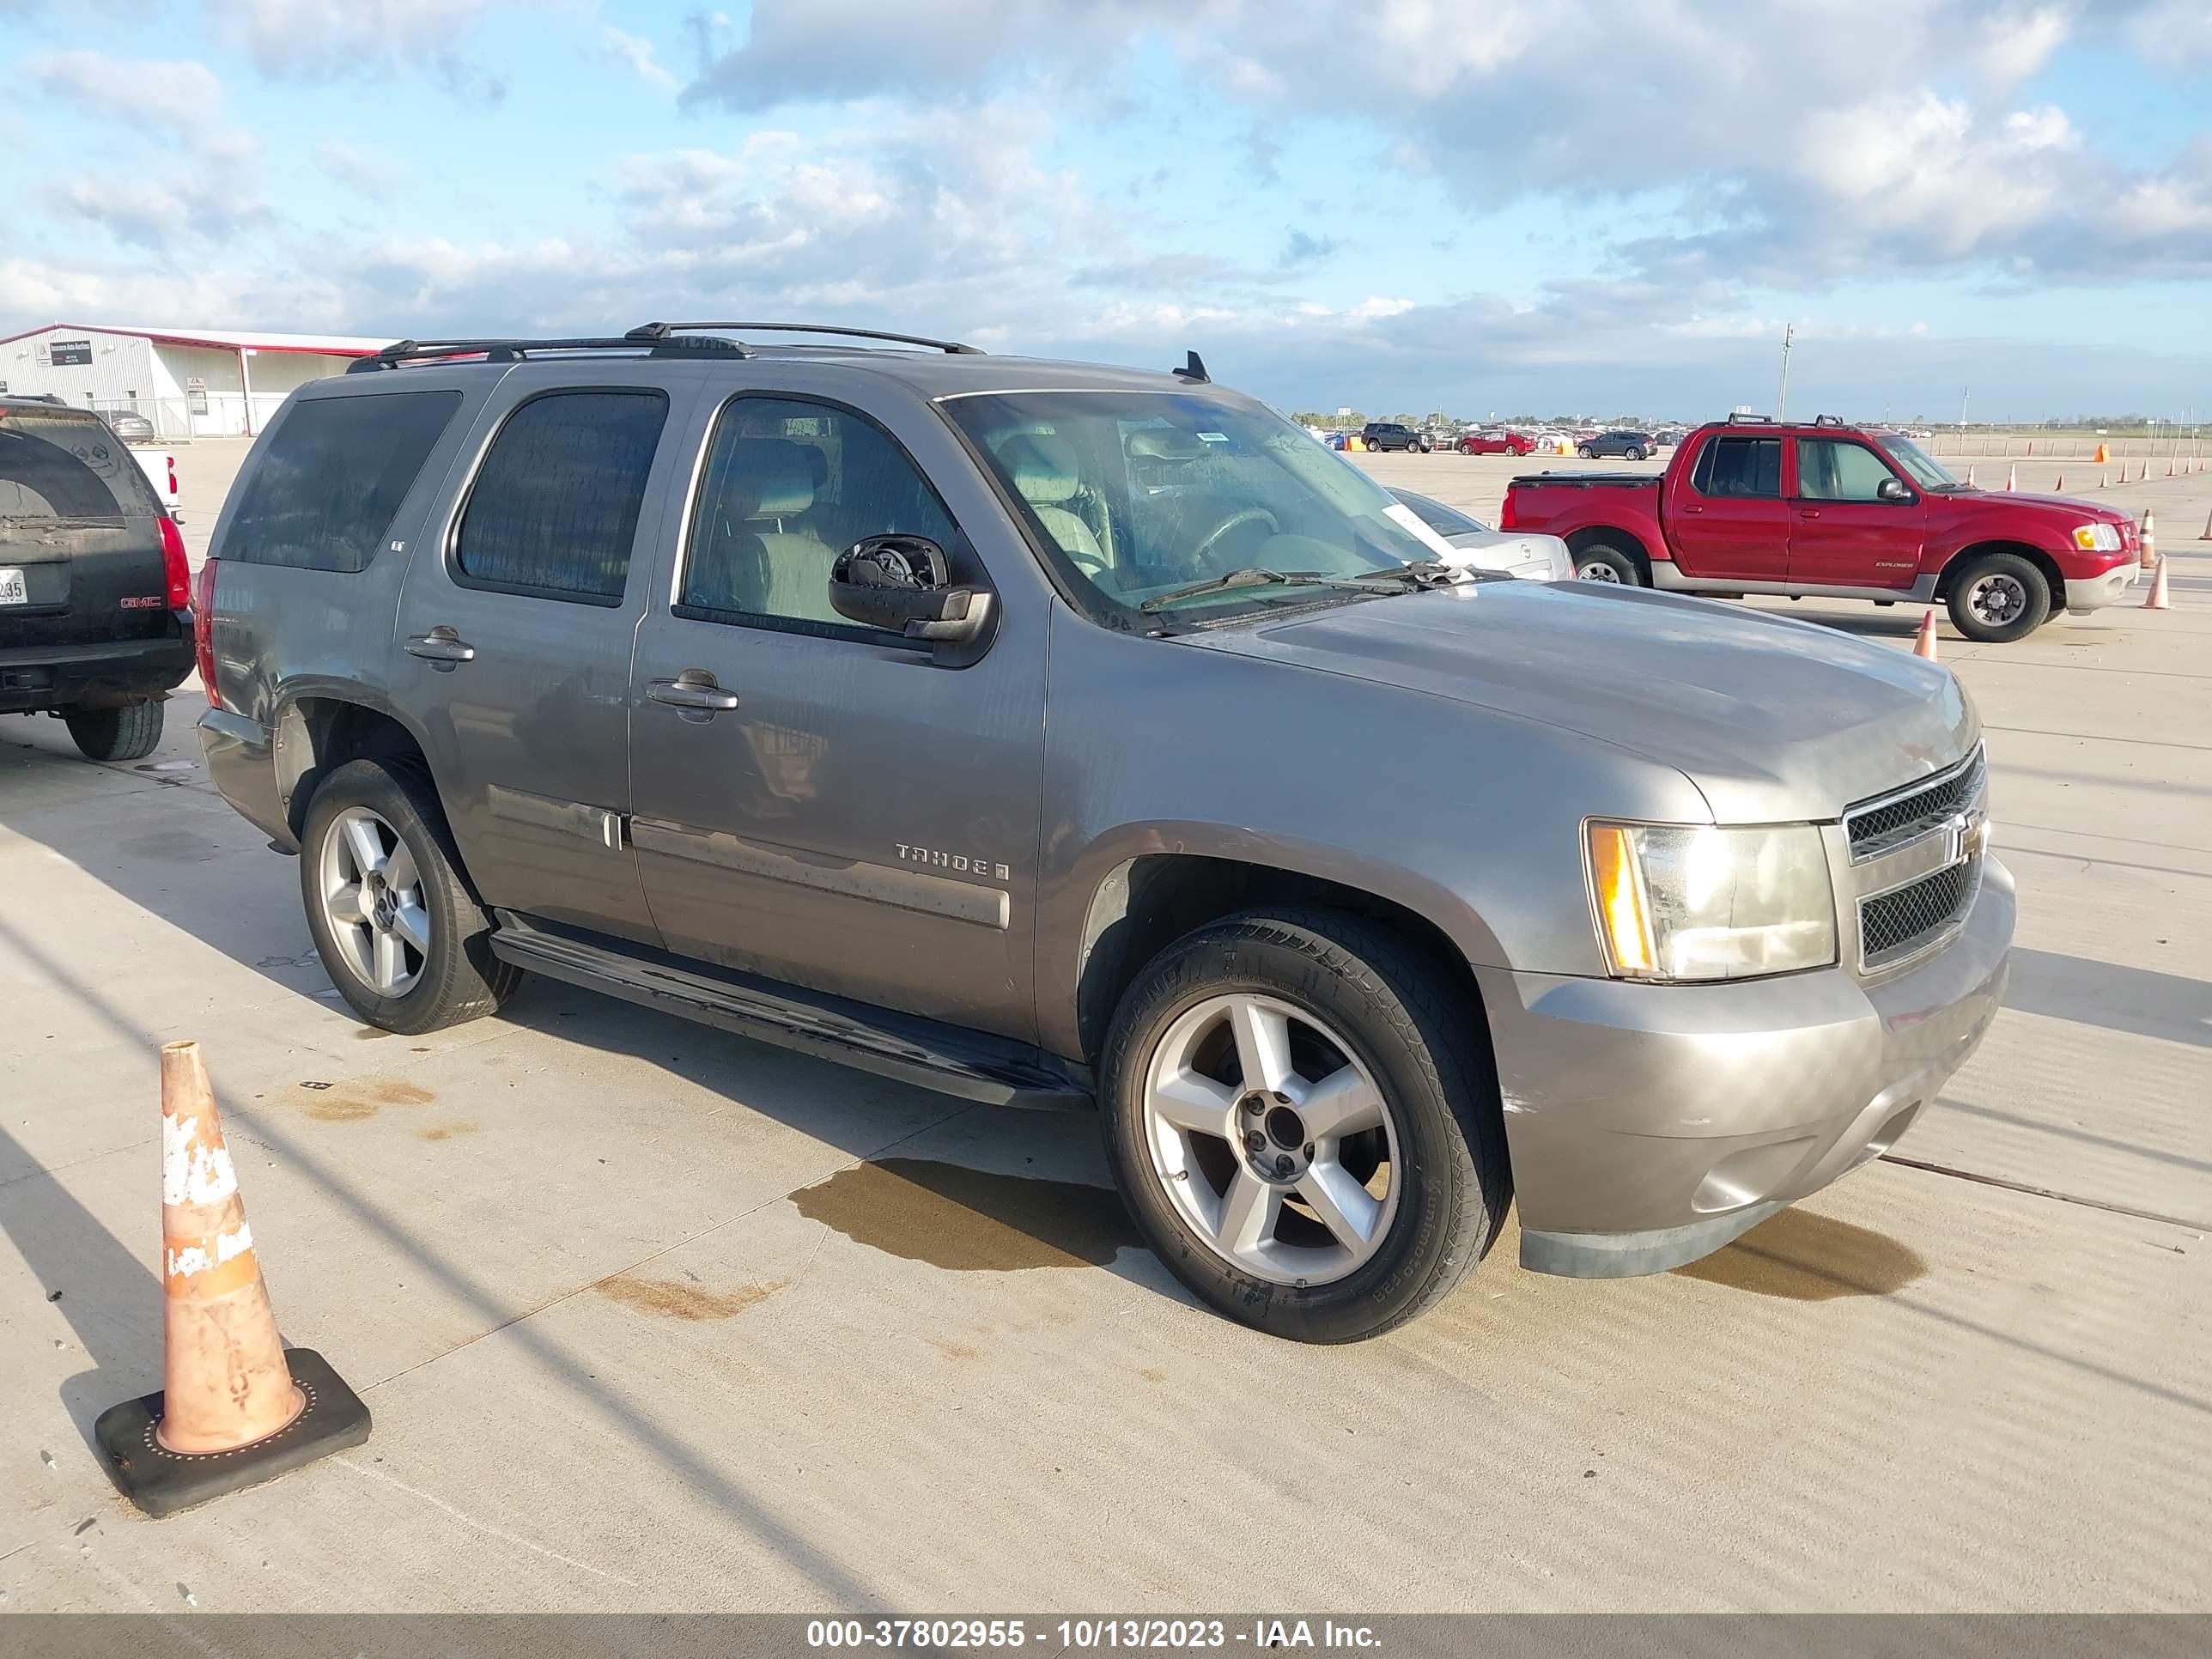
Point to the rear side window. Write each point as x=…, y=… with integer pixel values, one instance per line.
x=63, y=467
x=1739, y=467
x=334, y=476
x=556, y=506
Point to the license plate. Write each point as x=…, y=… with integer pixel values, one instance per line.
x=13, y=590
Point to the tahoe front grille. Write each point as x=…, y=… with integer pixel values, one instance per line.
x=1893, y=820
x=1895, y=924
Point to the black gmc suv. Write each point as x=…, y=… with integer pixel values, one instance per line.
x=95, y=595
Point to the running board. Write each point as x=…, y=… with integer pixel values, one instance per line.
x=971, y=1065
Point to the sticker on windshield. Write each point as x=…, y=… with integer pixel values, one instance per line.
x=1215, y=437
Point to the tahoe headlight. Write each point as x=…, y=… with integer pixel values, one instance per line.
x=2097, y=538
x=1698, y=902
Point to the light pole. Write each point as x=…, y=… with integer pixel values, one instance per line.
x=1781, y=398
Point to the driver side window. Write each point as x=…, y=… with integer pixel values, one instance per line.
x=788, y=485
x=1829, y=470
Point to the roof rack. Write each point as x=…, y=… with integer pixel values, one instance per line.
x=662, y=331
x=515, y=351
x=1738, y=418
x=1827, y=420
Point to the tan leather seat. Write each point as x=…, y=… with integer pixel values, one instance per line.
x=748, y=553
x=1042, y=467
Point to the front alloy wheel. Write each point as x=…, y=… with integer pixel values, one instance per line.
x=1272, y=1140
x=1302, y=1114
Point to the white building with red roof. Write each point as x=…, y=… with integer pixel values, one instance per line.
x=189, y=382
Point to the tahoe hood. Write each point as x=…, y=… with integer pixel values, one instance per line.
x=1772, y=719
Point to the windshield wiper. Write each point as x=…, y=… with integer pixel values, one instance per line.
x=1436, y=572
x=1252, y=576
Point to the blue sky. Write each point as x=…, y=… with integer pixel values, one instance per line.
x=1565, y=205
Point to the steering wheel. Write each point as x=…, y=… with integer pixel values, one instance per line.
x=1247, y=516
x=1097, y=572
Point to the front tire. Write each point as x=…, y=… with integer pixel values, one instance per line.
x=1998, y=597
x=1304, y=1120
x=127, y=734
x=402, y=937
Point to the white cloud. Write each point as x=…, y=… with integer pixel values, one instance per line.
x=181, y=94
x=638, y=52
x=214, y=189
x=2018, y=41
x=331, y=40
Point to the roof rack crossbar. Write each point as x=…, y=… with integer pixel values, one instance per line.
x=661, y=330
x=1740, y=418
x=512, y=350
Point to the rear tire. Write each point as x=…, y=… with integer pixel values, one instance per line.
x=1363, y=1018
x=1587, y=453
x=1998, y=597
x=127, y=734
x=442, y=971
x=1598, y=562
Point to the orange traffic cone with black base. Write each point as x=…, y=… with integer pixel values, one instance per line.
x=1923, y=645
x=2156, y=599
x=237, y=1406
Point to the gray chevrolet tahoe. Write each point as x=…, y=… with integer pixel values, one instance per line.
x=1051, y=734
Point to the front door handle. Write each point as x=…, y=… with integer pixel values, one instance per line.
x=1809, y=512
x=442, y=647
x=694, y=688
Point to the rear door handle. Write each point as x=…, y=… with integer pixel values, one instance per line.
x=694, y=688
x=1692, y=507
x=442, y=646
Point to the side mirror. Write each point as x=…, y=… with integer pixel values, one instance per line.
x=1893, y=489
x=903, y=585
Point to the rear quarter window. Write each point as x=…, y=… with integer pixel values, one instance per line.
x=68, y=469
x=333, y=477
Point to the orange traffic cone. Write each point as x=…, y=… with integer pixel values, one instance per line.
x=1923, y=645
x=2104, y=481
x=2169, y=467
x=2059, y=489
x=2156, y=599
x=237, y=1408
x=2100, y=456
x=2012, y=477
x=1970, y=475
x=2148, y=557
x=2207, y=536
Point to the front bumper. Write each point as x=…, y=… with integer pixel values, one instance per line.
x=1651, y=1124
x=2096, y=592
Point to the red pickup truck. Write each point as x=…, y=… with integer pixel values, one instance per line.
x=1832, y=511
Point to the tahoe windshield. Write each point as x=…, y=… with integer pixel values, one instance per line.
x=1145, y=493
x=1927, y=472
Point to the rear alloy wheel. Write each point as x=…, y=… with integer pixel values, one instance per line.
x=1600, y=563
x=1635, y=454
x=128, y=733
x=1998, y=597
x=1304, y=1120
x=1587, y=453
x=399, y=931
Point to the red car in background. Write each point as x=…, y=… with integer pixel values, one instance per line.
x=1494, y=443
x=1824, y=510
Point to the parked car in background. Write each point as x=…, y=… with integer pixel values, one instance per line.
x=1494, y=443
x=1391, y=435
x=1822, y=509
x=1623, y=445
x=1536, y=558
x=95, y=617
x=844, y=697
x=129, y=425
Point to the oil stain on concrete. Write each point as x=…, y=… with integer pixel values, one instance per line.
x=673, y=1299
x=970, y=1220
x=352, y=1102
x=1810, y=1258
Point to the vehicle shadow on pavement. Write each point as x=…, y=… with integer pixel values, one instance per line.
x=2140, y=1001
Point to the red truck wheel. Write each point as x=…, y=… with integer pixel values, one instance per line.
x=1600, y=563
